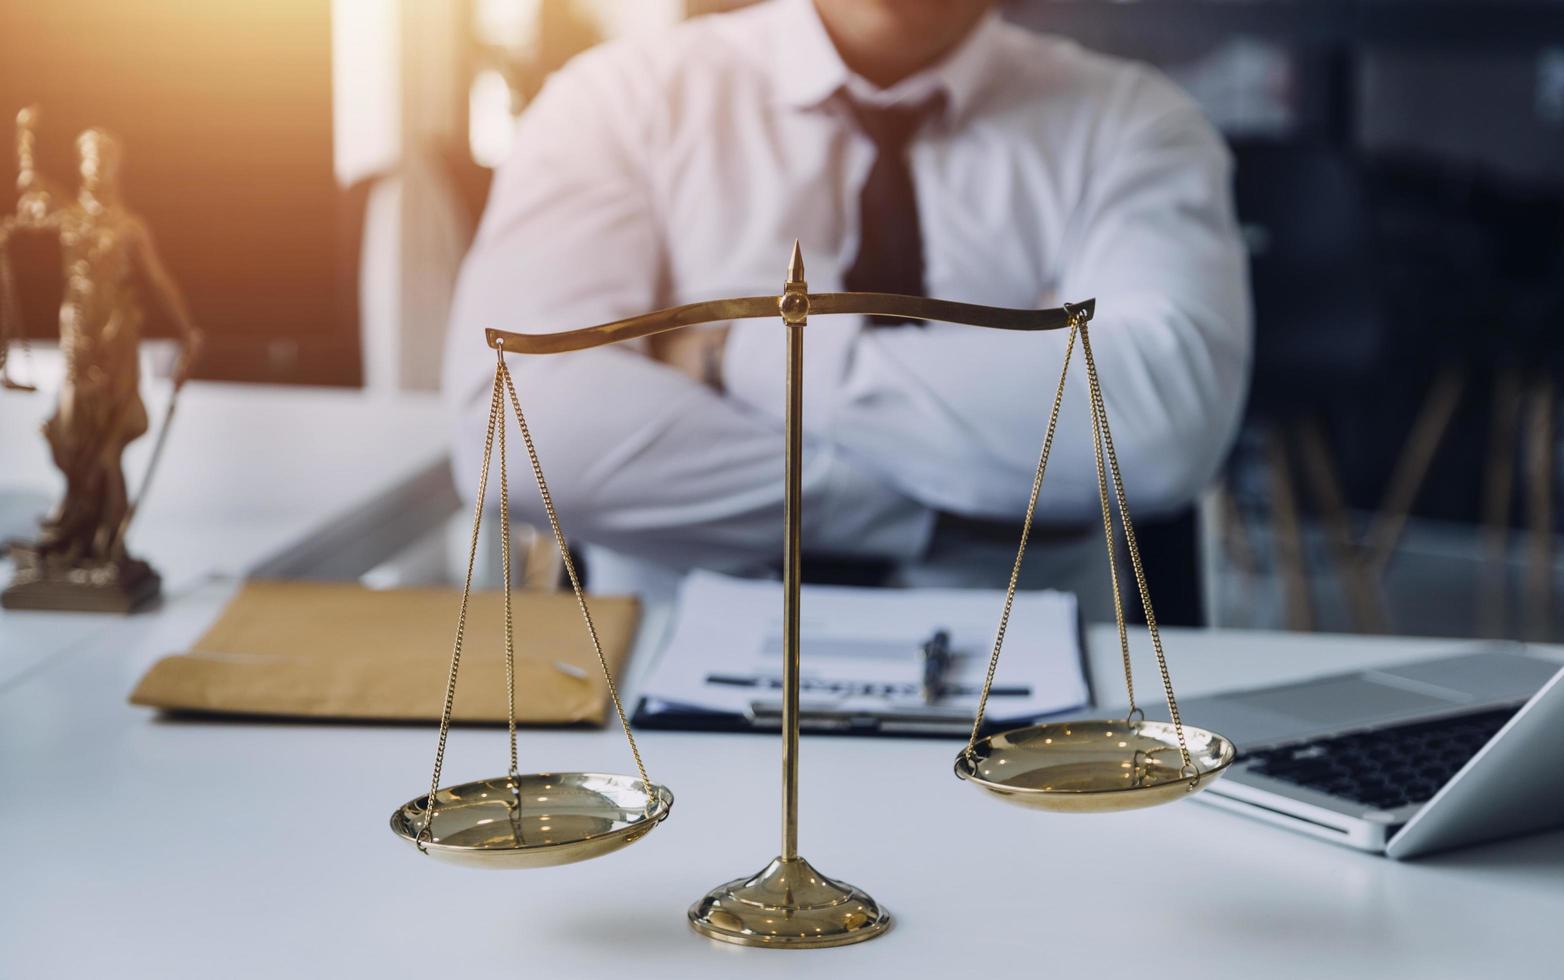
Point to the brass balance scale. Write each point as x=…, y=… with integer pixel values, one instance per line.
x=535, y=820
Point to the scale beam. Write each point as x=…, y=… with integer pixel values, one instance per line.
x=755, y=307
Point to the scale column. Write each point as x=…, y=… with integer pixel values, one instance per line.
x=788, y=904
x=794, y=306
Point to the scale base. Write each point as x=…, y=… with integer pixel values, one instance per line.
x=788, y=905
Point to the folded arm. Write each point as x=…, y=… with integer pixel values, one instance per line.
x=639, y=457
x=954, y=415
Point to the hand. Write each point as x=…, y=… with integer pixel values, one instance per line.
x=695, y=352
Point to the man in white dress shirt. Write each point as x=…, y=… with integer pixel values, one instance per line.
x=679, y=168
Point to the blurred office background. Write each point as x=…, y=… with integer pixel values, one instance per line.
x=314, y=170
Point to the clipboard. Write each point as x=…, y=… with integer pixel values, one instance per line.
x=703, y=679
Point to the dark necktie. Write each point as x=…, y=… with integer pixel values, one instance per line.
x=890, y=244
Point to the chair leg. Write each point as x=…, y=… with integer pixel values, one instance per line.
x=1412, y=466
x=1235, y=534
x=1289, y=539
x=1498, y=489
x=1539, y=458
x=1365, y=599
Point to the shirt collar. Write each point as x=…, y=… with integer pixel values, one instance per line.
x=807, y=70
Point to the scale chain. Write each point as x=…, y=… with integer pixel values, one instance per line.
x=1102, y=444
x=1100, y=414
x=495, y=403
x=1076, y=321
x=510, y=629
x=1113, y=557
x=575, y=579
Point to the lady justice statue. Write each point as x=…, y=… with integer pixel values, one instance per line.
x=78, y=560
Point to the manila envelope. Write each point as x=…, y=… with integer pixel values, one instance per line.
x=335, y=650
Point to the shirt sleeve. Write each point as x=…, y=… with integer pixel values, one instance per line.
x=639, y=458
x=954, y=416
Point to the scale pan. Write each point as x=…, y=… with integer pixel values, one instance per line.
x=547, y=819
x=1093, y=766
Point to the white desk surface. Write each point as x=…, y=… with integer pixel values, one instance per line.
x=248, y=471
x=143, y=847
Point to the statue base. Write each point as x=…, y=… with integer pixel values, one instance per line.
x=40, y=582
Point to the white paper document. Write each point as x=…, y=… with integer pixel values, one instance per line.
x=861, y=656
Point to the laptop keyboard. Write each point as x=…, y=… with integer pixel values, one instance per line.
x=1386, y=768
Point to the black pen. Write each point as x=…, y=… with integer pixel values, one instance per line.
x=936, y=664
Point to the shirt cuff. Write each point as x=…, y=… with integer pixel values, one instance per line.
x=856, y=513
x=860, y=515
x=754, y=367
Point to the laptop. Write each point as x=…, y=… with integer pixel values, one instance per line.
x=1403, y=760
